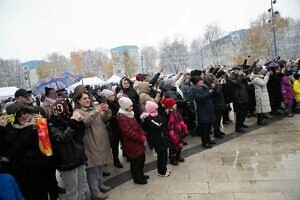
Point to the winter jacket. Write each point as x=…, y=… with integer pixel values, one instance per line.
x=218, y=99
x=156, y=127
x=239, y=84
x=274, y=88
x=204, y=105
x=287, y=91
x=296, y=88
x=96, y=141
x=227, y=90
x=67, y=143
x=132, y=137
x=113, y=123
x=261, y=93
x=171, y=92
x=132, y=95
x=176, y=129
x=21, y=146
x=185, y=88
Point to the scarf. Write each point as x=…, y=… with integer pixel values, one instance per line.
x=50, y=101
x=24, y=124
x=126, y=113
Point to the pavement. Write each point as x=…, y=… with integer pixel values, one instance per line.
x=261, y=164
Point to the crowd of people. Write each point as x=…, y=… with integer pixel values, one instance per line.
x=87, y=127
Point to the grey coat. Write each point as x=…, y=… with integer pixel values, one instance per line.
x=96, y=141
x=261, y=93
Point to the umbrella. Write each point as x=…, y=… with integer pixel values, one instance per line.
x=60, y=81
x=56, y=83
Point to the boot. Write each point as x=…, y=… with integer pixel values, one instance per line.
x=118, y=164
x=105, y=188
x=260, y=120
x=100, y=196
x=218, y=135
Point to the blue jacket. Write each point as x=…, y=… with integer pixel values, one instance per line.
x=204, y=105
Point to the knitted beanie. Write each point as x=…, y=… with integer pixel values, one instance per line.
x=151, y=108
x=168, y=103
x=107, y=93
x=125, y=102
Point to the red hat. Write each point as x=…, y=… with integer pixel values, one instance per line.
x=138, y=77
x=168, y=103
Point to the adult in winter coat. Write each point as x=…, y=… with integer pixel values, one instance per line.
x=261, y=94
x=22, y=156
x=133, y=138
x=96, y=141
x=66, y=133
x=287, y=95
x=112, y=126
x=126, y=89
x=240, y=97
x=274, y=88
x=204, y=108
x=50, y=99
x=219, y=107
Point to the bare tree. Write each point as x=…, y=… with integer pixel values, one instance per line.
x=58, y=63
x=212, y=32
x=94, y=61
x=149, y=59
x=195, y=54
x=173, y=55
x=11, y=73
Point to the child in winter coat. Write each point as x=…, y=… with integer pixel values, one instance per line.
x=156, y=127
x=132, y=138
x=287, y=95
x=176, y=129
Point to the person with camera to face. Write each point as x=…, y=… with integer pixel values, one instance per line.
x=240, y=97
x=274, y=87
x=219, y=106
x=259, y=81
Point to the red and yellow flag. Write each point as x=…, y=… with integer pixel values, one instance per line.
x=43, y=135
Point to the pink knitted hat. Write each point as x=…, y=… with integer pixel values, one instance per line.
x=151, y=108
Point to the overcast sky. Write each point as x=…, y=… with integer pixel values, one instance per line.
x=31, y=29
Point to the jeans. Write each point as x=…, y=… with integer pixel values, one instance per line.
x=95, y=177
x=74, y=181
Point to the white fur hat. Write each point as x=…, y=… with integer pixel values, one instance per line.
x=125, y=102
x=107, y=93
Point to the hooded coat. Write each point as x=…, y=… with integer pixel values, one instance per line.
x=132, y=95
x=261, y=93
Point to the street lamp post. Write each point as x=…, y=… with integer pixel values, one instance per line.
x=142, y=64
x=272, y=19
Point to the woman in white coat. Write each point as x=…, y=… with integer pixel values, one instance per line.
x=261, y=94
